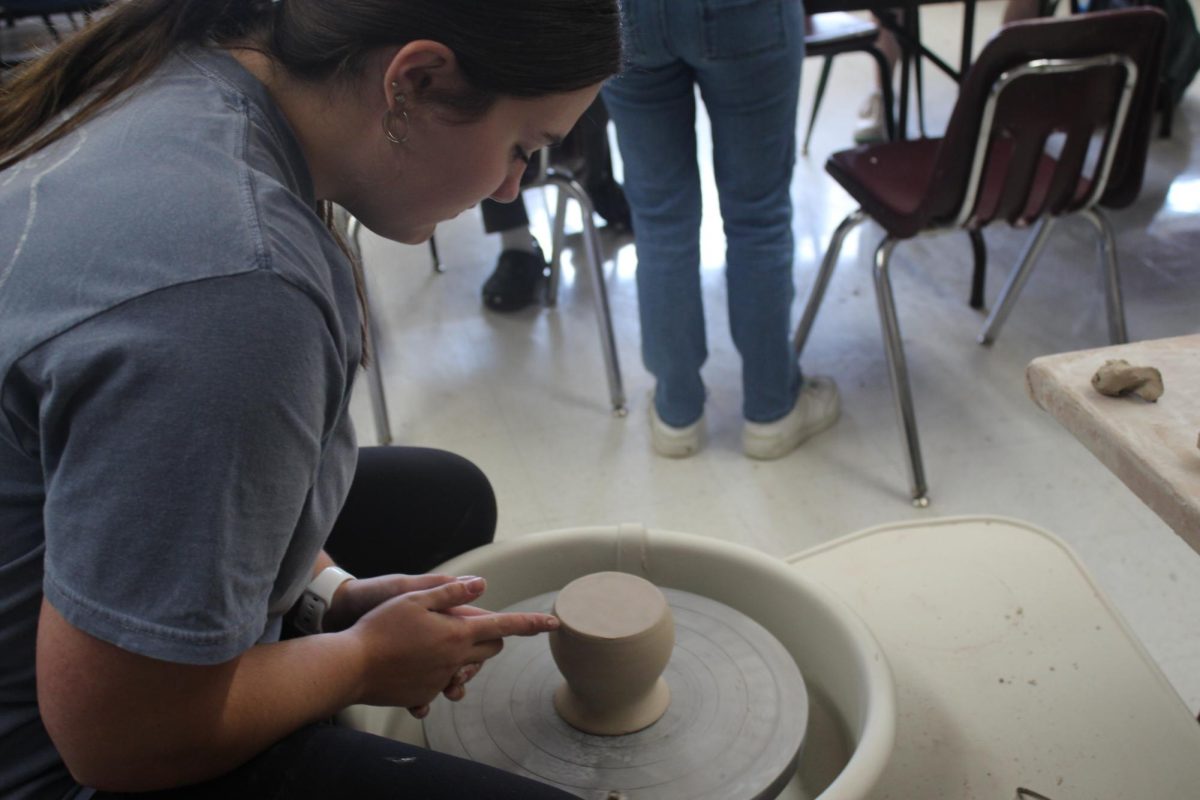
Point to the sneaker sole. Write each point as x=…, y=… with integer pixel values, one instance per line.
x=770, y=449
x=677, y=442
x=675, y=446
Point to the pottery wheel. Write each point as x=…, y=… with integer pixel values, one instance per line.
x=733, y=730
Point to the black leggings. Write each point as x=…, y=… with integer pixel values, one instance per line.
x=408, y=510
x=320, y=762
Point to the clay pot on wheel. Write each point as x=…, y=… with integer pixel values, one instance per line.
x=615, y=640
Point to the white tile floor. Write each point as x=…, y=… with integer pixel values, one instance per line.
x=525, y=397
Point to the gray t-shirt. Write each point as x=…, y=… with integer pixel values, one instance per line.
x=179, y=335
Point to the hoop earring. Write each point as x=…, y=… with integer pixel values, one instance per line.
x=389, y=118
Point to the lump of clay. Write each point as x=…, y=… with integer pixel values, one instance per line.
x=615, y=638
x=1119, y=377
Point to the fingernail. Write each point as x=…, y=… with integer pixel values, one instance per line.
x=466, y=578
x=552, y=623
x=475, y=585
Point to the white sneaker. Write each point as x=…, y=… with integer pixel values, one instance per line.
x=816, y=409
x=870, y=126
x=672, y=442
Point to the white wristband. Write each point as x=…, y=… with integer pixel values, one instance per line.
x=316, y=599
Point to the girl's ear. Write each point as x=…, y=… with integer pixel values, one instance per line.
x=419, y=66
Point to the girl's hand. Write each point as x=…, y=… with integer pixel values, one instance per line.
x=356, y=597
x=456, y=691
x=424, y=643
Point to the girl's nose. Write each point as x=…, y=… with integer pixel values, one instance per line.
x=508, y=191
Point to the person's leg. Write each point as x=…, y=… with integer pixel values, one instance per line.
x=409, y=509
x=327, y=761
x=1020, y=9
x=521, y=269
x=589, y=141
x=503, y=217
x=750, y=92
x=751, y=95
x=888, y=44
x=653, y=106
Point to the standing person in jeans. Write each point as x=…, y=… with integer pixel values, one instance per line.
x=745, y=58
x=180, y=333
x=520, y=273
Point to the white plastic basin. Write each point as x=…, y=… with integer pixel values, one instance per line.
x=852, y=698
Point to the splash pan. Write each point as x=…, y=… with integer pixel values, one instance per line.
x=851, y=706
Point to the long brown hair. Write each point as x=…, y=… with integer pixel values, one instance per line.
x=523, y=48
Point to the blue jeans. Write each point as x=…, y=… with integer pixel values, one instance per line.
x=744, y=55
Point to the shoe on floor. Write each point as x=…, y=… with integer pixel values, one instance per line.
x=517, y=280
x=870, y=127
x=817, y=407
x=671, y=442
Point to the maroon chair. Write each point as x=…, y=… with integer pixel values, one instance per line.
x=835, y=32
x=1054, y=118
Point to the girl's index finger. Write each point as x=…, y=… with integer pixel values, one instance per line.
x=468, y=611
x=490, y=626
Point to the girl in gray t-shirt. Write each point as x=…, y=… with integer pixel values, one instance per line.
x=180, y=330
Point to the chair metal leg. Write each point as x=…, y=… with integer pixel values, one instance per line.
x=52, y=28
x=1168, y=114
x=964, y=59
x=848, y=224
x=979, y=275
x=898, y=368
x=1016, y=281
x=557, y=238
x=885, y=88
x=438, y=266
x=353, y=229
x=595, y=262
x=920, y=75
x=905, y=71
x=826, y=66
x=383, y=427
x=1117, y=332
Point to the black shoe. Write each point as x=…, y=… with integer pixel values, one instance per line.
x=608, y=198
x=517, y=280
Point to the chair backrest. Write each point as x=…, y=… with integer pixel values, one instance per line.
x=1055, y=115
